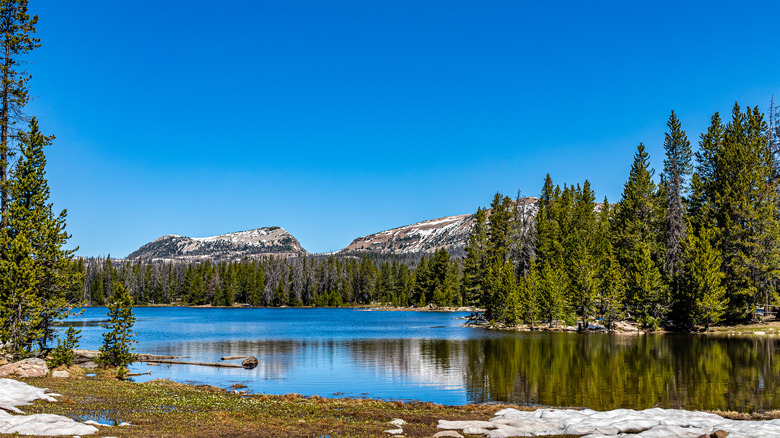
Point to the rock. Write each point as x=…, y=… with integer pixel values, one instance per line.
x=60, y=374
x=25, y=368
x=449, y=433
x=249, y=363
x=719, y=434
x=395, y=431
x=398, y=422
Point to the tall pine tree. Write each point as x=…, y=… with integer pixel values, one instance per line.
x=16, y=29
x=31, y=215
x=677, y=166
x=637, y=227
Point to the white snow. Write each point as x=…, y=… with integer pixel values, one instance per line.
x=624, y=423
x=14, y=393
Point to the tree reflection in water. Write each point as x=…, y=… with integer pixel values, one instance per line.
x=618, y=371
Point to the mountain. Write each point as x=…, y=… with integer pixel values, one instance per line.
x=449, y=232
x=232, y=246
x=422, y=237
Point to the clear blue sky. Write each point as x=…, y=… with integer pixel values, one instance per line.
x=337, y=119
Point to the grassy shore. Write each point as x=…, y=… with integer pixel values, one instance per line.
x=162, y=408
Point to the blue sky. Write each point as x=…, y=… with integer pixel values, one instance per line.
x=338, y=119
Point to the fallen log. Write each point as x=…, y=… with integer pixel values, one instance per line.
x=88, y=355
x=232, y=357
x=203, y=364
x=148, y=373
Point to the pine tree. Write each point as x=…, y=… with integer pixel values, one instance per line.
x=499, y=228
x=19, y=301
x=16, y=40
x=528, y=299
x=63, y=354
x=613, y=290
x=703, y=301
x=701, y=203
x=636, y=227
x=501, y=285
x=648, y=289
x=582, y=256
x=677, y=166
x=422, y=283
x=118, y=339
x=553, y=283
x=31, y=214
x=475, y=262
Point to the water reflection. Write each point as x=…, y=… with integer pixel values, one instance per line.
x=458, y=365
x=607, y=371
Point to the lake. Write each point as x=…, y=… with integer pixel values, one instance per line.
x=429, y=356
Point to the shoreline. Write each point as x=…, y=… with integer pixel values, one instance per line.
x=626, y=327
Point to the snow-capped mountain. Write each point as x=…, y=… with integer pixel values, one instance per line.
x=450, y=233
x=259, y=242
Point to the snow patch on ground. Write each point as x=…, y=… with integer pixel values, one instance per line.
x=624, y=423
x=14, y=393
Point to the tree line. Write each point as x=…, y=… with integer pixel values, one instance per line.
x=271, y=281
x=699, y=247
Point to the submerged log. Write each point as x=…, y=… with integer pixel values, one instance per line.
x=232, y=357
x=203, y=364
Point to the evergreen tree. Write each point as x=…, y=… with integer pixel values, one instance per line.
x=582, y=256
x=648, y=289
x=422, y=284
x=552, y=293
x=475, y=262
x=636, y=227
x=118, y=339
x=703, y=301
x=30, y=214
x=528, y=299
x=499, y=226
x=701, y=203
x=677, y=166
x=19, y=301
x=501, y=286
x=613, y=290
x=63, y=353
x=16, y=40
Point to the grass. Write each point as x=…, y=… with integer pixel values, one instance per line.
x=162, y=408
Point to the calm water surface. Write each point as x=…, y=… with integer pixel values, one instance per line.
x=431, y=357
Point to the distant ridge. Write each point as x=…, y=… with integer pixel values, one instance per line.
x=449, y=232
x=259, y=242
